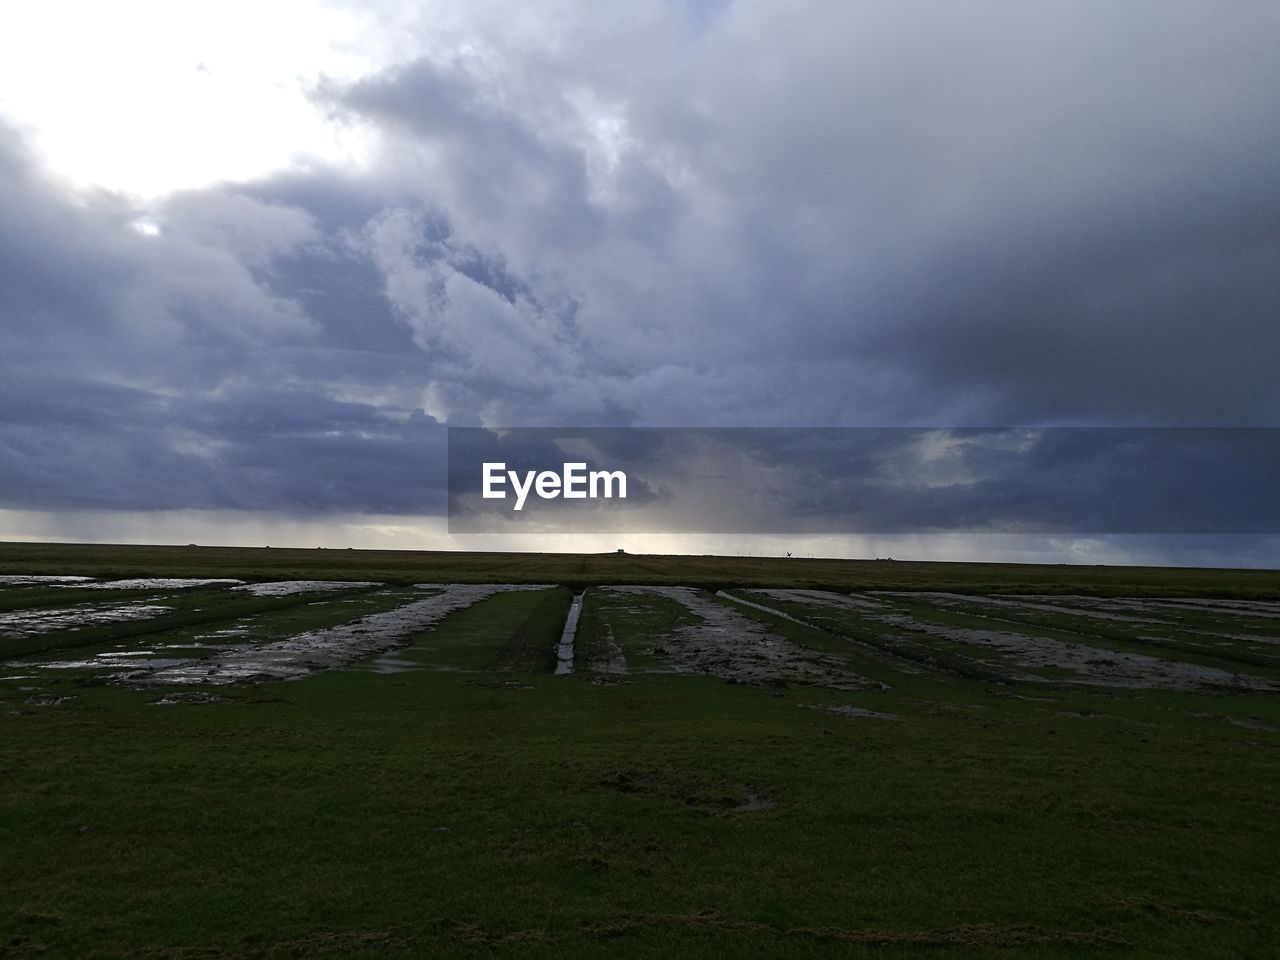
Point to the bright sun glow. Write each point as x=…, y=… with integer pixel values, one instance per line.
x=148, y=97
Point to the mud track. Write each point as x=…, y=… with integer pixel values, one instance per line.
x=1091, y=665
x=336, y=646
x=26, y=623
x=725, y=643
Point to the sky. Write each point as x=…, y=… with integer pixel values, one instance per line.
x=254, y=258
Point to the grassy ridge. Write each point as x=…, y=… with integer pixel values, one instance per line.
x=532, y=647
x=579, y=570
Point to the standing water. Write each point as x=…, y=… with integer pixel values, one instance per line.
x=564, y=652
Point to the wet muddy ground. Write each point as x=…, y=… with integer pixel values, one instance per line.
x=740, y=636
x=25, y=623
x=426, y=754
x=723, y=642
x=285, y=588
x=565, y=649
x=325, y=649
x=1155, y=644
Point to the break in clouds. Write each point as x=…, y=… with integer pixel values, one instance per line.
x=743, y=214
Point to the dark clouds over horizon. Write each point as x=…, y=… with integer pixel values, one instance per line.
x=1075, y=481
x=753, y=214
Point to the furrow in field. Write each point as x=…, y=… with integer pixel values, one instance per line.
x=1088, y=664
x=839, y=611
x=825, y=598
x=1034, y=652
x=1178, y=630
x=1016, y=603
x=606, y=656
x=564, y=651
x=725, y=643
x=1162, y=607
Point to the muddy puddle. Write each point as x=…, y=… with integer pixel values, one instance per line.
x=27, y=623
x=29, y=580
x=153, y=583
x=323, y=649
x=108, y=661
x=1087, y=664
x=725, y=643
x=753, y=804
x=564, y=650
x=286, y=588
x=388, y=663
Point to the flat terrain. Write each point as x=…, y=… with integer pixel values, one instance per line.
x=211, y=752
x=406, y=566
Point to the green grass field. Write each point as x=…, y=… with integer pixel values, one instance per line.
x=450, y=797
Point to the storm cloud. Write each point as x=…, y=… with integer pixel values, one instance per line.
x=745, y=214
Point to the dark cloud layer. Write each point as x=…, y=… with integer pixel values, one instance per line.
x=1081, y=481
x=743, y=214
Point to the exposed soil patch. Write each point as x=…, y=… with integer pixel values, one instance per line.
x=724, y=643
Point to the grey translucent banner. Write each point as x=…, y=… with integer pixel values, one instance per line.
x=1052, y=480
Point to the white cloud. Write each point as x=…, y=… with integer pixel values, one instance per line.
x=149, y=96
